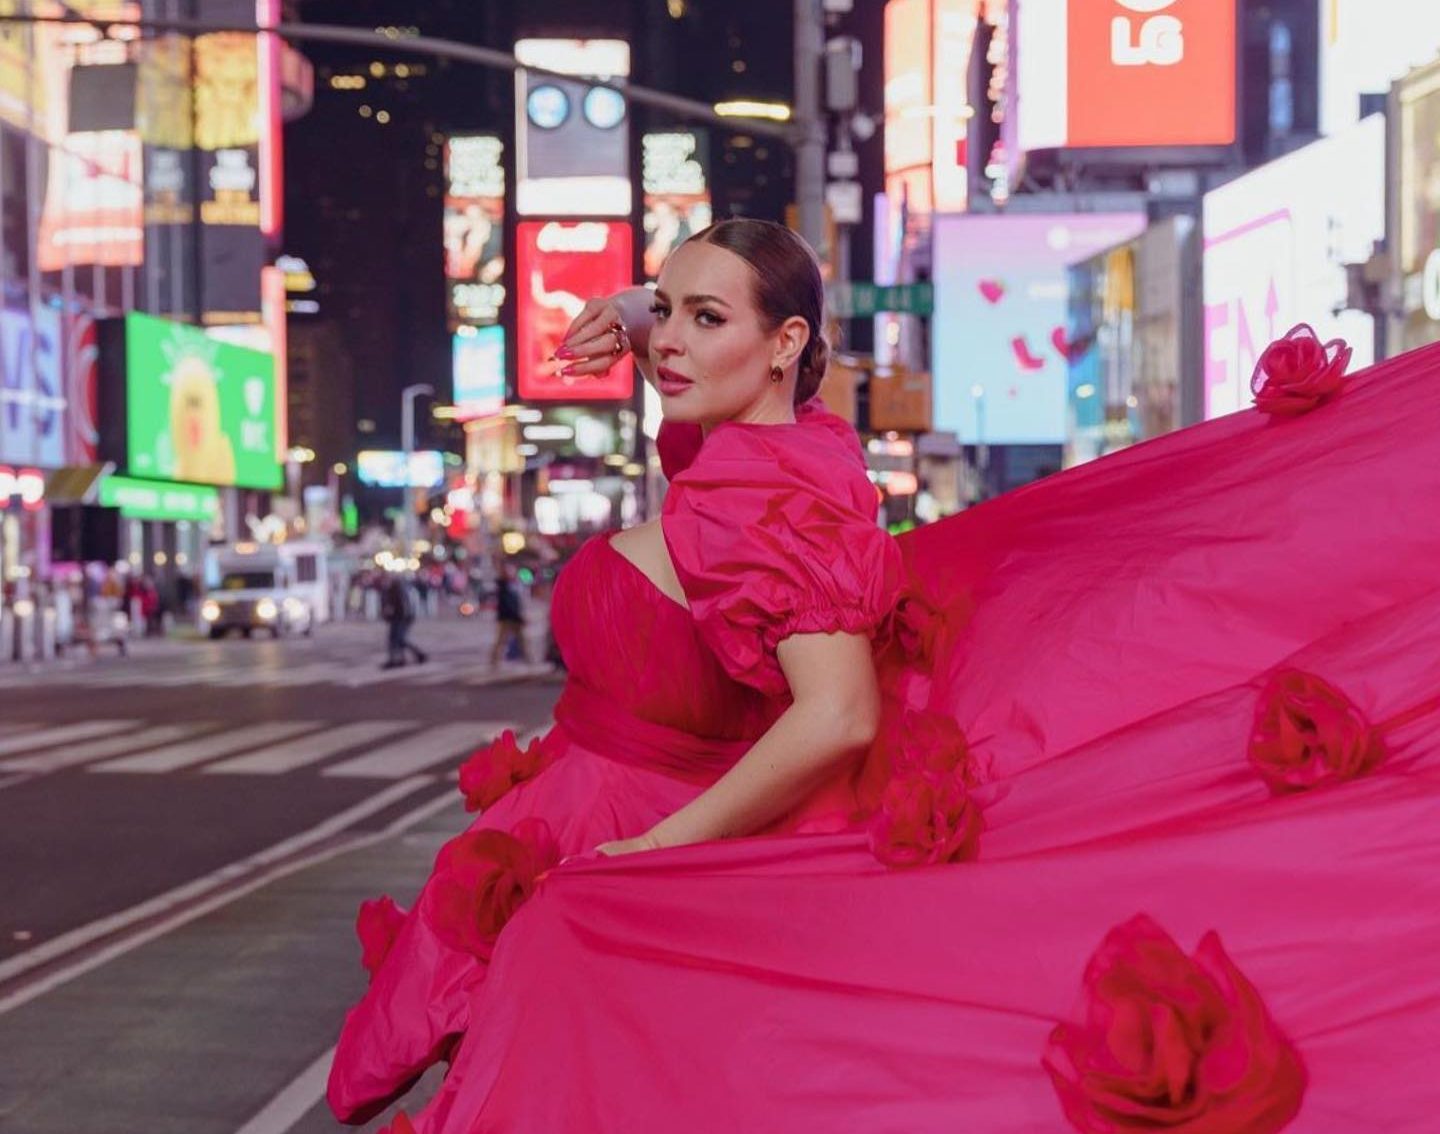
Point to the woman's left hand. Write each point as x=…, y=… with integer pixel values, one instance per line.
x=644, y=842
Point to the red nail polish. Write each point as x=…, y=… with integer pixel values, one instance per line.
x=564, y=352
x=567, y=372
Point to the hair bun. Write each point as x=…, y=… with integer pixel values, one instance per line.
x=813, y=364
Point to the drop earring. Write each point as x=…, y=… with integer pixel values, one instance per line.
x=777, y=374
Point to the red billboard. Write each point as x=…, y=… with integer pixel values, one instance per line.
x=559, y=266
x=1126, y=73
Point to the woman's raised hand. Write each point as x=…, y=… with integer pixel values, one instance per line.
x=595, y=340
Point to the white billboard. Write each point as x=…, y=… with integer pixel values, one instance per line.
x=1365, y=45
x=572, y=155
x=1276, y=244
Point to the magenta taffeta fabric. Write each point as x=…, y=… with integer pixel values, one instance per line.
x=1107, y=640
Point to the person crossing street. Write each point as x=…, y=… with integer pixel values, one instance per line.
x=398, y=608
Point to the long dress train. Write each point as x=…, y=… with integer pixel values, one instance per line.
x=1148, y=840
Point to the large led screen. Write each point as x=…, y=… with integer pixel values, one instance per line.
x=558, y=267
x=572, y=138
x=1002, y=352
x=677, y=192
x=474, y=228
x=1363, y=50
x=479, y=372
x=1276, y=247
x=1126, y=73
x=193, y=409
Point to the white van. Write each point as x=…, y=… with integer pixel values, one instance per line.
x=278, y=588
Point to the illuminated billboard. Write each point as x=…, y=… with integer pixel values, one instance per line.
x=928, y=47
x=1363, y=49
x=675, y=181
x=387, y=468
x=478, y=372
x=474, y=228
x=1276, y=250
x=229, y=129
x=559, y=266
x=180, y=405
x=156, y=500
x=94, y=202
x=32, y=386
x=1126, y=73
x=1002, y=352
x=572, y=153
x=909, y=84
x=93, y=210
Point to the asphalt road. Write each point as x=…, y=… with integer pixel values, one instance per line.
x=184, y=838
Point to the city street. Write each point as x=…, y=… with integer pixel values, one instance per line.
x=188, y=833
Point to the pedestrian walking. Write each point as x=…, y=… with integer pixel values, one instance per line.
x=509, y=619
x=397, y=608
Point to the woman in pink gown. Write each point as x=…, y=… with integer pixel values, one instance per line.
x=1146, y=839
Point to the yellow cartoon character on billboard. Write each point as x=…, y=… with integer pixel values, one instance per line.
x=202, y=450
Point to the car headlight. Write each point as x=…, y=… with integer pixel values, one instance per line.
x=210, y=610
x=266, y=609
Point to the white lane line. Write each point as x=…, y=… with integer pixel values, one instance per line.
x=379, y=676
x=46, y=738
x=71, y=755
x=173, y=757
x=312, y=673
x=293, y=754
x=415, y=753
x=294, y=1102
x=197, y=890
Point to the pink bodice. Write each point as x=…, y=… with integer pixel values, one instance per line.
x=639, y=650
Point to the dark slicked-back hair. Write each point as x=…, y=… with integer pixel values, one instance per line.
x=786, y=283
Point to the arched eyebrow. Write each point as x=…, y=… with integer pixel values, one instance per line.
x=693, y=300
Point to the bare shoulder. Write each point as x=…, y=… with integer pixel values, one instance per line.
x=644, y=546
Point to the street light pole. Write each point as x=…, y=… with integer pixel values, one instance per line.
x=809, y=122
x=407, y=443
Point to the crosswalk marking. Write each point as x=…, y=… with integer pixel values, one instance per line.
x=261, y=749
x=74, y=754
x=61, y=734
x=293, y=754
x=173, y=757
x=337, y=672
x=421, y=751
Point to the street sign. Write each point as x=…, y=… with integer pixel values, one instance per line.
x=856, y=300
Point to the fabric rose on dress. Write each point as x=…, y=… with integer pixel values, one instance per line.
x=1299, y=372
x=492, y=771
x=928, y=813
x=481, y=878
x=1172, y=1043
x=916, y=626
x=377, y=925
x=1307, y=732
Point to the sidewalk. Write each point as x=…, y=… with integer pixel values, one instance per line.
x=203, y=1029
x=453, y=634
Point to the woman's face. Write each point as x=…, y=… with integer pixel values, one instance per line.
x=710, y=347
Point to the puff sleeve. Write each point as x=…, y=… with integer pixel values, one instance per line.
x=772, y=532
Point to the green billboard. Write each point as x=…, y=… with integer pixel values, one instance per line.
x=147, y=500
x=197, y=409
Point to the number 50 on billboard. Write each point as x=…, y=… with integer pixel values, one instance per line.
x=178, y=405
